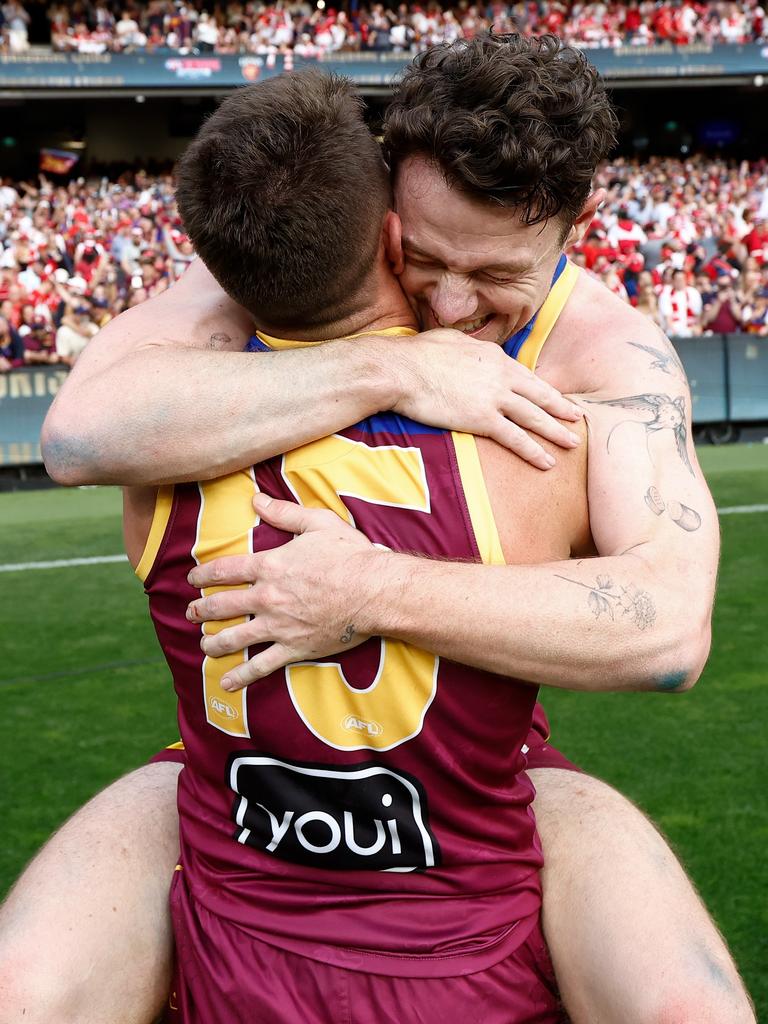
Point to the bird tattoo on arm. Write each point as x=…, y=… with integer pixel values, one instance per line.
x=664, y=361
x=666, y=414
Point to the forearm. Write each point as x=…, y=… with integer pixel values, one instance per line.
x=595, y=624
x=234, y=409
x=165, y=393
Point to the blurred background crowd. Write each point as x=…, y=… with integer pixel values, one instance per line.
x=686, y=242
x=328, y=26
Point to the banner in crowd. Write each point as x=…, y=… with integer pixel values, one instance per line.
x=25, y=396
x=57, y=161
x=172, y=70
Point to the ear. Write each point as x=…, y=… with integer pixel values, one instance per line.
x=580, y=226
x=393, y=242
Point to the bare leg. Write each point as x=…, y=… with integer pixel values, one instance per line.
x=85, y=935
x=630, y=939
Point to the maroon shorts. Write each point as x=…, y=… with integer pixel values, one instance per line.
x=224, y=975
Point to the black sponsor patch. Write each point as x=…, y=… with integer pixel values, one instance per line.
x=346, y=818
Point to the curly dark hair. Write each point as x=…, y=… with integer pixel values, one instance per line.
x=521, y=121
x=283, y=193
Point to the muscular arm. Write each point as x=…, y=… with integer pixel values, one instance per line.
x=164, y=393
x=637, y=617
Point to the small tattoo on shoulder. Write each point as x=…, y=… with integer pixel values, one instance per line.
x=686, y=518
x=666, y=361
x=611, y=599
x=217, y=341
x=348, y=633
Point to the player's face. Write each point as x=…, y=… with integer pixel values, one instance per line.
x=470, y=265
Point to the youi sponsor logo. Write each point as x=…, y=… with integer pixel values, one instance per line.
x=345, y=818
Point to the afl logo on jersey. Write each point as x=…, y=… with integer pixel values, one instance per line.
x=353, y=724
x=222, y=708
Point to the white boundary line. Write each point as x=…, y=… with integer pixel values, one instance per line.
x=62, y=563
x=65, y=563
x=741, y=510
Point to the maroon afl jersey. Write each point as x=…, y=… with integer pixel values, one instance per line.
x=367, y=809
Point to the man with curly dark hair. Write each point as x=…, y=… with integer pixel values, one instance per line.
x=479, y=247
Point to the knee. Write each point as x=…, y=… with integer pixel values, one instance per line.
x=30, y=995
x=703, y=1008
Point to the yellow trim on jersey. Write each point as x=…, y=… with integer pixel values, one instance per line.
x=160, y=517
x=225, y=526
x=284, y=343
x=478, y=501
x=178, y=745
x=548, y=314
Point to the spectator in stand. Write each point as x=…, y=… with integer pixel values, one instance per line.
x=11, y=346
x=39, y=347
x=76, y=330
x=206, y=33
x=647, y=301
x=14, y=23
x=179, y=248
x=680, y=307
x=756, y=238
x=723, y=315
x=128, y=35
x=755, y=317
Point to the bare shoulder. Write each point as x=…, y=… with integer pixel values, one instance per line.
x=600, y=343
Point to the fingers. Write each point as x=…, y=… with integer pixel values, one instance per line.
x=553, y=402
x=292, y=517
x=235, y=638
x=226, y=604
x=541, y=394
x=230, y=570
x=530, y=417
x=263, y=664
x=516, y=440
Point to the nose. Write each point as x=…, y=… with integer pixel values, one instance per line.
x=454, y=298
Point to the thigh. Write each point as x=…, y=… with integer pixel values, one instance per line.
x=85, y=932
x=630, y=939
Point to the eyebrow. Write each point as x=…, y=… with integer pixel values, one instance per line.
x=505, y=268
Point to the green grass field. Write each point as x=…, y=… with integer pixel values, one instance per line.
x=85, y=696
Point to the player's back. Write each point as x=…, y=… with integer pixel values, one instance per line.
x=372, y=800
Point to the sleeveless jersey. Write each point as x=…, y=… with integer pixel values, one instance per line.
x=368, y=809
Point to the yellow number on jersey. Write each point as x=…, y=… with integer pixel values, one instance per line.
x=392, y=709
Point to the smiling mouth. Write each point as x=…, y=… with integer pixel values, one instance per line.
x=467, y=326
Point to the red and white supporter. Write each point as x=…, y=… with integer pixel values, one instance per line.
x=680, y=307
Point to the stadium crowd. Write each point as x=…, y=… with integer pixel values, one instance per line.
x=323, y=26
x=684, y=242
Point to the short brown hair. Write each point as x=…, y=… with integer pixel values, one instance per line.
x=521, y=121
x=283, y=193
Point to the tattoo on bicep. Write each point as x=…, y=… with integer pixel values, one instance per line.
x=687, y=518
x=666, y=414
x=217, y=341
x=668, y=362
x=348, y=633
x=609, y=598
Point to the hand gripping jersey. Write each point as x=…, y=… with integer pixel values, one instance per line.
x=367, y=809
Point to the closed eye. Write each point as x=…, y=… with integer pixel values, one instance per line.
x=495, y=279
